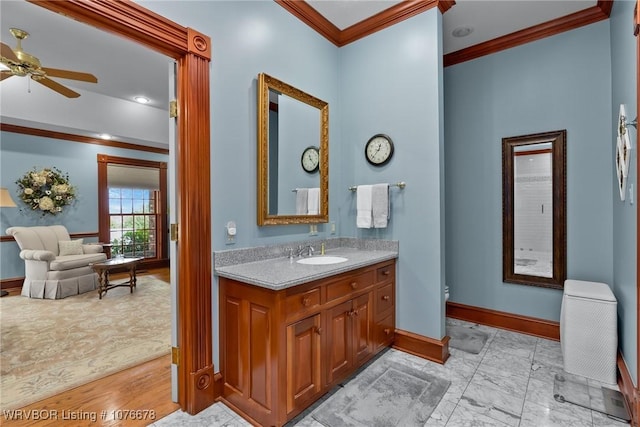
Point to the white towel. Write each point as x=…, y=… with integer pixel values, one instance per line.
x=301, y=201
x=313, y=201
x=380, y=205
x=364, y=217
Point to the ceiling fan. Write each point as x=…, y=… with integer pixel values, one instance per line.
x=22, y=64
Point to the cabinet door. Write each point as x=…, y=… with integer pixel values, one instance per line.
x=339, y=351
x=303, y=362
x=362, y=327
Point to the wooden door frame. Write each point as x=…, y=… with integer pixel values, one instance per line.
x=192, y=51
x=104, y=235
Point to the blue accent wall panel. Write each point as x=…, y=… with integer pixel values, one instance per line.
x=561, y=82
x=390, y=83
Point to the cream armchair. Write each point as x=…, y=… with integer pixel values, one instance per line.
x=55, y=266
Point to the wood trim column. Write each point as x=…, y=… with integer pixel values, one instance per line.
x=196, y=385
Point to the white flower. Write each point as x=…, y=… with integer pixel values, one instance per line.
x=60, y=188
x=46, y=204
x=38, y=179
x=28, y=191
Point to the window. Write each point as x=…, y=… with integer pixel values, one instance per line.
x=132, y=206
x=133, y=221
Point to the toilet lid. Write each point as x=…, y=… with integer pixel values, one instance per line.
x=592, y=290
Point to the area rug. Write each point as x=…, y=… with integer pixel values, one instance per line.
x=385, y=394
x=50, y=346
x=466, y=339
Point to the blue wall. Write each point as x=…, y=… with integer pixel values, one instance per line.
x=391, y=79
x=20, y=154
x=248, y=38
x=624, y=76
x=390, y=82
x=561, y=82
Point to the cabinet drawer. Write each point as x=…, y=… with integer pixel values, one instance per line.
x=385, y=273
x=384, y=331
x=347, y=286
x=384, y=299
x=302, y=302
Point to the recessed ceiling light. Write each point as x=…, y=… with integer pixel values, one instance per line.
x=141, y=99
x=462, y=31
x=105, y=136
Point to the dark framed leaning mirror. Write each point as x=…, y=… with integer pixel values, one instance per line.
x=534, y=223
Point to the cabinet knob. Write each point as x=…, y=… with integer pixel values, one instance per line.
x=387, y=331
x=386, y=272
x=350, y=313
x=306, y=301
x=386, y=297
x=354, y=285
x=318, y=330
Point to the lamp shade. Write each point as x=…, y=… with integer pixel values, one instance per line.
x=5, y=199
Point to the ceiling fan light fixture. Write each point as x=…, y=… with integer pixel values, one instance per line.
x=105, y=136
x=463, y=31
x=141, y=99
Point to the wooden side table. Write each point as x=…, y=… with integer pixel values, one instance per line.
x=103, y=268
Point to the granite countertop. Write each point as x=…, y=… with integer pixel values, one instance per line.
x=281, y=273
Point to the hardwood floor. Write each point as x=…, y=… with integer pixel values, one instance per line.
x=142, y=392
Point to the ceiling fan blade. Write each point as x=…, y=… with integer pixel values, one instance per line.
x=72, y=75
x=5, y=74
x=7, y=52
x=63, y=90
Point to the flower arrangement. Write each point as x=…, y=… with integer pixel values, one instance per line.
x=47, y=190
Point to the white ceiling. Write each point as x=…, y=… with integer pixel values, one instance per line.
x=125, y=69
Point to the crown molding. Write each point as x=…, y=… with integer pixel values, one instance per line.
x=6, y=127
x=406, y=9
x=596, y=13
x=388, y=17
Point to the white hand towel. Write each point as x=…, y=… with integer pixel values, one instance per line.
x=313, y=201
x=380, y=205
x=301, y=201
x=363, y=206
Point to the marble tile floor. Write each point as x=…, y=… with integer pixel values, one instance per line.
x=509, y=383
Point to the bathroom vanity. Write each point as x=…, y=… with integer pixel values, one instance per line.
x=292, y=332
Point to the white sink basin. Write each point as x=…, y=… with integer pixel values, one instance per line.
x=322, y=260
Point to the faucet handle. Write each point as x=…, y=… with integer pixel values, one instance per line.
x=289, y=251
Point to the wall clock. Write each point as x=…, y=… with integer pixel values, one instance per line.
x=379, y=149
x=310, y=159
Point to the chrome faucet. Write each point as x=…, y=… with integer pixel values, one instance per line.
x=307, y=248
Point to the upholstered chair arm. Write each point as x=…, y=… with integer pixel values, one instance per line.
x=92, y=249
x=37, y=255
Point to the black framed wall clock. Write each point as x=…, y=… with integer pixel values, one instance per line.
x=379, y=149
x=310, y=159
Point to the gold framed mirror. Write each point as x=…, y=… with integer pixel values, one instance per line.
x=291, y=124
x=534, y=239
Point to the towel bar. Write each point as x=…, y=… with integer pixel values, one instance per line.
x=400, y=185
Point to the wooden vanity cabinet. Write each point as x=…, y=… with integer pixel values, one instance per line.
x=282, y=350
